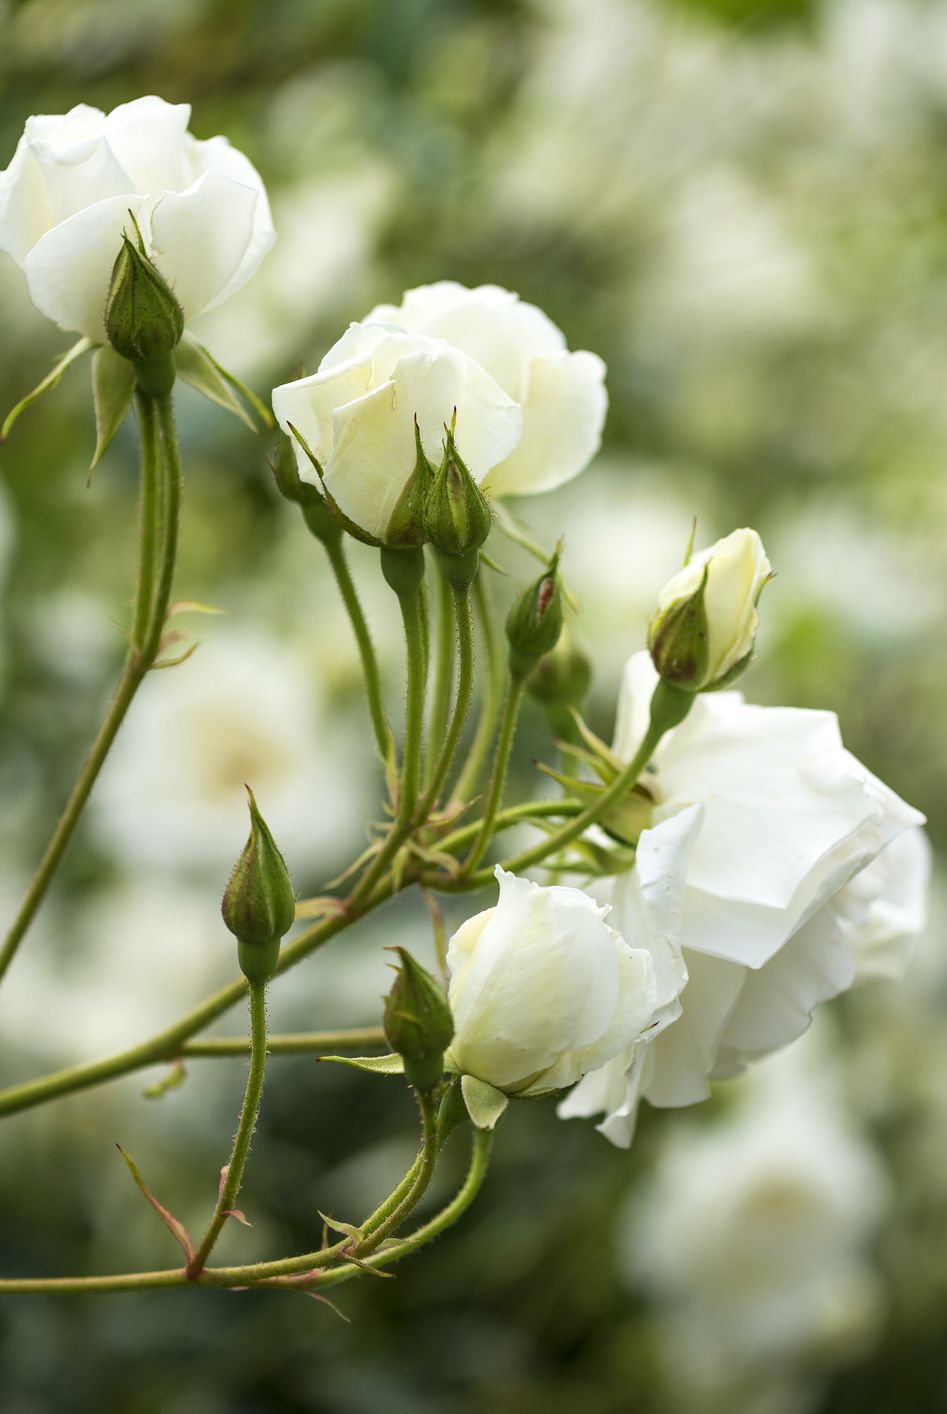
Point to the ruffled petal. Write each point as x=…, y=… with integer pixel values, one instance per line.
x=208, y=240
x=148, y=137
x=564, y=407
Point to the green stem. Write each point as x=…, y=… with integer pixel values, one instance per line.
x=290, y=1043
x=443, y=674
x=166, y=1045
x=455, y=1209
x=493, y=696
x=261, y=1273
x=501, y=761
x=149, y=529
x=415, y=650
x=335, y=550
x=154, y=586
x=460, y=596
x=669, y=707
x=233, y=1174
x=504, y=819
x=385, y=1219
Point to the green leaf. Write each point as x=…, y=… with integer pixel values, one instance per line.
x=50, y=381
x=248, y=395
x=177, y=1229
x=484, y=1102
x=378, y=1065
x=195, y=365
x=113, y=386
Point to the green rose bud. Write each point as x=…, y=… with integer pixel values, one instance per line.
x=704, y=631
x=534, y=623
x=457, y=516
x=418, y=1022
x=259, y=904
x=143, y=319
x=406, y=526
x=563, y=677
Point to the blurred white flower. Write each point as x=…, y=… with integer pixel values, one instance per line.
x=375, y=392
x=789, y=819
x=751, y=1237
x=67, y=195
x=561, y=394
x=542, y=989
x=243, y=710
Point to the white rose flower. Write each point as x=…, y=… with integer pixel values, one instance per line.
x=736, y=570
x=66, y=196
x=769, y=928
x=244, y=710
x=542, y=990
x=562, y=394
x=357, y=415
x=751, y=1236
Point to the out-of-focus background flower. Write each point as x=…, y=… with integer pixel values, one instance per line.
x=742, y=205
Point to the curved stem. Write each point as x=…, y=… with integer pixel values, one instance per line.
x=166, y=1044
x=443, y=675
x=335, y=550
x=476, y=1173
x=669, y=707
x=460, y=597
x=493, y=695
x=501, y=761
x=232, y=1175
x=262, y=1273
x=504, y=819
x=156, y=569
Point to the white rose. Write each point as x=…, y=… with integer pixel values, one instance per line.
x=736, y=570
x=542, y=990
x=774, y=919
x=66, y=195
x=562, y=394
x=753, y=1232
x=357, y=415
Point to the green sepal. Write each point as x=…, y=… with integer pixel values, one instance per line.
x=245, y=392
x=347, y=525
x=534, y=622
x=52, y=378
x=113, y=387
x=485, y=1103
x=196, y=367
x=406, y=527
x=679, y=640
x=375, y=1065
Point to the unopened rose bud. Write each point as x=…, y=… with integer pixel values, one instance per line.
x=418, y=1022
x=704, y=631
x=143, y=319
x=456, y=516
x=534, y=622
x=406, y=527
x=259, y=904
x=561, y=679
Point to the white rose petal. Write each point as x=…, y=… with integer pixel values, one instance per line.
x=66, y=195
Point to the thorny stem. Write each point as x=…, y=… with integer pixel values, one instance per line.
x=159, y=509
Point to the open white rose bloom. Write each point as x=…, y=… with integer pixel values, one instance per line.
x=528, y=413
x=561, y=393
x=66, y=196
x=543, y=990
x=780, y=912
x=357, y=415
